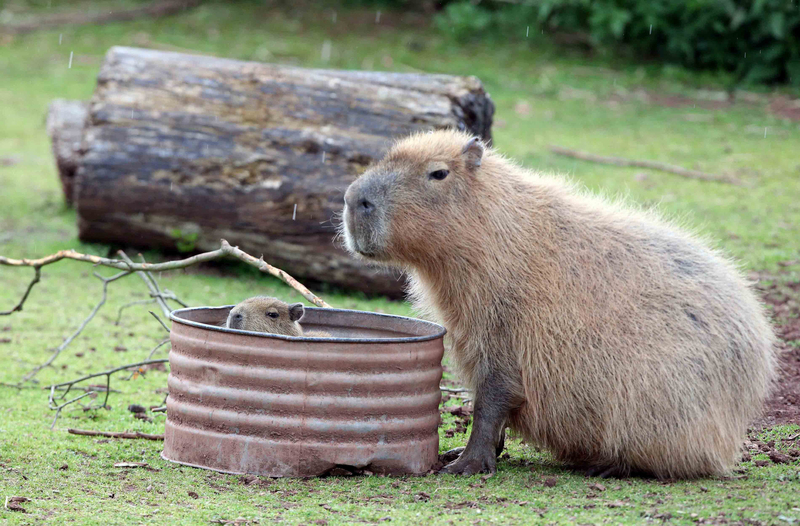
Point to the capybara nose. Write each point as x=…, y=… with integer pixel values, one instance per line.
x=235, y=321
x=365, y=207
x=356, y=200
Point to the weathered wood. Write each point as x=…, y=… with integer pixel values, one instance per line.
x=65, y=122
x=183, y=150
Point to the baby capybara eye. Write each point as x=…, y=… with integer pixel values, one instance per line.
x=272, y=315
x=439, y=174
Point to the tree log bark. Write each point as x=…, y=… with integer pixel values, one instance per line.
x=65, y=123
x=182, y=150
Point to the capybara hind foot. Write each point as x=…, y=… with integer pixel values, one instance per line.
x=471, y=464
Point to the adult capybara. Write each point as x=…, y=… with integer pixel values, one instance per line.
x=602, y=333
x=271, y=315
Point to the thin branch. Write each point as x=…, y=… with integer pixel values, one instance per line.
x=160, y=321
x=155, y=293
x=169, y=295
x=263, y=266
x=149, y=356
x=163, y=409
x=225, y=250
x=152, y=10
x=65, y=404
x=34, y=281
x=85, y=322
x=653, y=165
x=70, y=384
x=157, y=347
x=104, y=373
x=454, y=390
x=96, y=388
x=131, y=304
x=115, y=434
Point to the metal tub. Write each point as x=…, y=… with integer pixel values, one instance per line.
x=281, y=406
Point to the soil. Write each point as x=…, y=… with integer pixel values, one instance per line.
x=784, y=405
x=785, y=108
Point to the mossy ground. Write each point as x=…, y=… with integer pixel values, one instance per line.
x=544, y=96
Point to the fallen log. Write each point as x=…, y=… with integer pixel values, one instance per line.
x=65, y=122
x=183, y=150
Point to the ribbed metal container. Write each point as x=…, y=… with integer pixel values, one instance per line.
x=281, y=406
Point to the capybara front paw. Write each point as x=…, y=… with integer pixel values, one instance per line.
x=470, y=465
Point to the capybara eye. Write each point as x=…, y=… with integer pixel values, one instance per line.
x=439, y=174
x=272, y=314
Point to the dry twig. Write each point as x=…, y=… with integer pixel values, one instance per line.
x=152, y=10
x=653, y=165
x=159, y=320
x=34, y=281
x=454, y=390
x=57, y=351
x=67, y=387
x=131, y=304
x=151, y=283
x=115, y=434
x=150, y=356
x=225, y=250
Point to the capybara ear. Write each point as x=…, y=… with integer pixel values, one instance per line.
x=473, y=152
x=296, y=311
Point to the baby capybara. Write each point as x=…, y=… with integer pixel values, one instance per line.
x=608, y=336
x=270, y=315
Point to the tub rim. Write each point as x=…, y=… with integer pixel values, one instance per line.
x=440, y=330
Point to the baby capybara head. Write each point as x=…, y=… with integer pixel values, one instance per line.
x=264, y=314
x=410, y=200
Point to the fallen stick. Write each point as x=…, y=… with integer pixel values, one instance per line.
x=653, y=165
x=152, y=10
x=115, y=434
x=225, y=250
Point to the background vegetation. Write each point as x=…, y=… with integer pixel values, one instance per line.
x=755, y=42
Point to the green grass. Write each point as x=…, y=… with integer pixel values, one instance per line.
x=595, y=108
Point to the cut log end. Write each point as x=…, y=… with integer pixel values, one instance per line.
x=65, y=124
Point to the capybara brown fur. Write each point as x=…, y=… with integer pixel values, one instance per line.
x=266, y=314
x=612, y=338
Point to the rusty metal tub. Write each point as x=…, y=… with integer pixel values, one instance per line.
x=281, y=406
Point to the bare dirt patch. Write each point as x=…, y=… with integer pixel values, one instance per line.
x=784, y=405
x=785, y=108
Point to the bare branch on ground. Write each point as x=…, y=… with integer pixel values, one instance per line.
x=67, y=387
x=57, y=351
x=653, y=165
x=115, y=434
x=152, y=10
x=225, y=250
x=34, y=281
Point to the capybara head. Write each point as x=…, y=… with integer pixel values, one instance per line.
x=265, y=314
x=413, y=197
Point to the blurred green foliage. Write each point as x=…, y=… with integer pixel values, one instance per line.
x=756, y=40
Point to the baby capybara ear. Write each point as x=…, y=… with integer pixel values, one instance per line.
x=473, y=153
x=296, y=311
